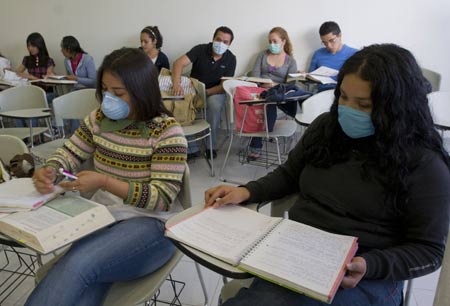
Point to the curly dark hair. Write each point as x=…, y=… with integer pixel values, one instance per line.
x=401, y=117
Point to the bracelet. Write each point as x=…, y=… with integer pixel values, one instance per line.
x=105, y=184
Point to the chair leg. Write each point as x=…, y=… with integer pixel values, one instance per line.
x=226, y=159
x=408, y=292
x=202, y=282
x=211, y=153
x=278, y=150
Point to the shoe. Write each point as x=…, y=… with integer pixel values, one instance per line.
x=253, y=154
x=208, y=154
x=192, y=156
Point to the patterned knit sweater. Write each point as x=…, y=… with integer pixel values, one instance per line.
x=149, y=155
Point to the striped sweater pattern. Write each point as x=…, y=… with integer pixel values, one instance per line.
x=149, y=155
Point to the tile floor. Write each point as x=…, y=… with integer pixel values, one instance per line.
x=424, y=287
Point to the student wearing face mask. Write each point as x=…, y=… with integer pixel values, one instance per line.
x=373, y=167
x=139, y=154
x=151, y=43
x=210, y=62
x=274, y=63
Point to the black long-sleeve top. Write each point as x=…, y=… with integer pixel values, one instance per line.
x=398, y=242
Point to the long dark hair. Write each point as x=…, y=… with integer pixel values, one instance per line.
x=35, y=39
x=139, y=76
x=401, y=117
x=72, y=45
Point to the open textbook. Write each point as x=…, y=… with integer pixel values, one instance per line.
x=321, y=75
x=19, y=194
x=291, y=254
x=57, y=223
x=249, y=79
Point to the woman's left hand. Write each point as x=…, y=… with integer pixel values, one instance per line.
x=71, y=77
x=355, y=272
x=87, y=181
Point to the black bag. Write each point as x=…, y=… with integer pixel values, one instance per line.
x=280, y=92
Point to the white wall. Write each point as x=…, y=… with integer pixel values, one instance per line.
x=103, y=25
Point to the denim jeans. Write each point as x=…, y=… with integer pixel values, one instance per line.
x=125, y=251
x=271, y=113
x=215, y=105
x=367, y=293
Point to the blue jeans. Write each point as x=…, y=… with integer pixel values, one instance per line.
x=367, y=293
x=215, y=105
x=125, y=251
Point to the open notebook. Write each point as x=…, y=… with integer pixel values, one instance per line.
x=291, y=254
x=323, y=75
x=19, y=195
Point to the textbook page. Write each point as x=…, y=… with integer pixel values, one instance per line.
x=325, y=71
x=302, y=258
x=226, y=233
x=20, y=194
x=57, y=223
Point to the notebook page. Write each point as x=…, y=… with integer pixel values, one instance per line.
x=225, y=233
x=302, y=255
x=20, y=193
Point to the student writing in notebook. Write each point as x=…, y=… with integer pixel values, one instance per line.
x=373, y=167
x=139, y=154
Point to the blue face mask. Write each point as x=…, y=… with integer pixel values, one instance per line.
x=275, y=48
x=355, y=123
x=219, y=47
x=114, y=107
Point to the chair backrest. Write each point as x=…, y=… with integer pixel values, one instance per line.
x=11, y=146
x=433, y=77
x=442, y=296
x=74, y=105
x=439, y=103
x=230, y=86
x=22, y=97
x=184, y=196
x=316, y=105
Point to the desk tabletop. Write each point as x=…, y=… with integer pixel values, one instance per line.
x=204, y=259
x=27, y=113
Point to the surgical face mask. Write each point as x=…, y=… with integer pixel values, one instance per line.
x=219, y=47
x=355, y=123
x=114, y=107
x=275, y=48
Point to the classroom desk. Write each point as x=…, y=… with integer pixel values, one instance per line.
x=204, y=259
x=30, y=114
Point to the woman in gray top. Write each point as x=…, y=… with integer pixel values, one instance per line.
x=275, y=63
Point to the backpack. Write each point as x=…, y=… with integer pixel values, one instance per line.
x=183, y=110
x=254, y=119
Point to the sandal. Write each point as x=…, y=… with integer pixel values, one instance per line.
x=253, y=154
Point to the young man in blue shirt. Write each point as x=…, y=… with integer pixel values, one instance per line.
x=334, y=54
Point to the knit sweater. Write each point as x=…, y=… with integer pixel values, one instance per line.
x=149, y=155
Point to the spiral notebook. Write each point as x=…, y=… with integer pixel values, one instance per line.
x=291, y=254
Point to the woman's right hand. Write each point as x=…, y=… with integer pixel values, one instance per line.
x=225, y=194
x=177, y=90
x=43, y=179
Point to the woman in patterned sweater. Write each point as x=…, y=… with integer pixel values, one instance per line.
x=139, y=155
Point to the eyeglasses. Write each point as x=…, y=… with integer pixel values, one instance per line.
x=331, y=41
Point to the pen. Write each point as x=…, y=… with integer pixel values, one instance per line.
x=67, y=174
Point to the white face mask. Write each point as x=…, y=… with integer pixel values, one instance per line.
x=219, y=47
